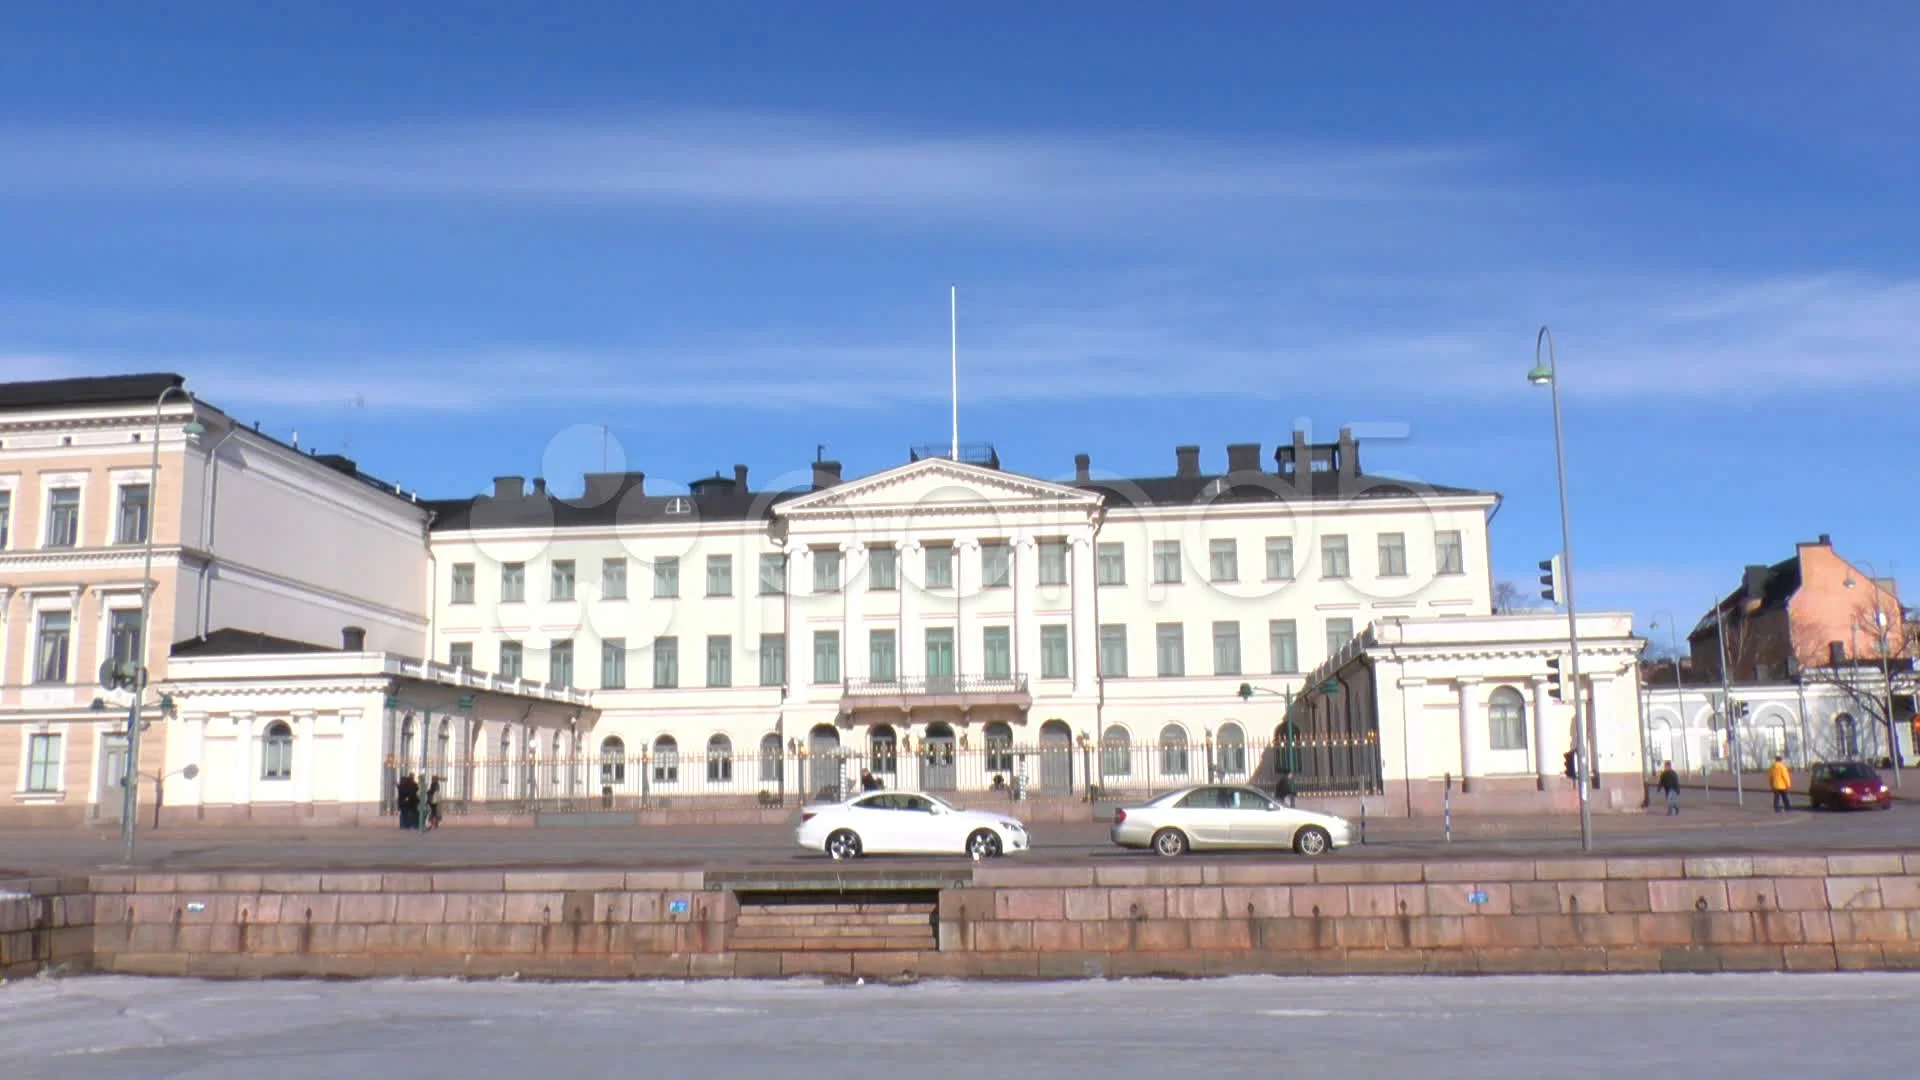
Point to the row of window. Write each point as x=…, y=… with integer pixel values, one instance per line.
x=996, y=567
x=996, y=653
x=53, y=642
x=62, y=519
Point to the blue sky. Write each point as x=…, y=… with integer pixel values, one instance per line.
x=456, y=240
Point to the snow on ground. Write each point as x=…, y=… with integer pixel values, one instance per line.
x=1487, y=1028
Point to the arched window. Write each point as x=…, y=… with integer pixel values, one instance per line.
x=771, y=759
x=1173, y=750
x=719, y=760
x=1116, y=752
x=503, y=765
x=443, y=744
x=883, y=750
x=1233, y=750
x=1507, y=720
x=1846, y=735
x=999, y=747
x=613, y=760
x=276, y=755
x=666, y=760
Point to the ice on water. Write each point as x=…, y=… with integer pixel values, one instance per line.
x=1487, y=1028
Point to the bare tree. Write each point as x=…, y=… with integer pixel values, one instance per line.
x=1510, y=599
x=1877, y=643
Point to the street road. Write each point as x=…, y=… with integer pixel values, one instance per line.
x=1710, y=825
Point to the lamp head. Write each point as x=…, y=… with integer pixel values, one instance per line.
x=192, y=428
x=98, y=705
x=1541, y=375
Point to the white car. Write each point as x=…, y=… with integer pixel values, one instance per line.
x=1221, y=817
x=906, y=823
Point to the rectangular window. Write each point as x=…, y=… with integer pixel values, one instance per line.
x=883, y=568
x=123, y=635
x=1279, y=558
x=996, y=565
x=1283, y=646
x=666, y=663
x=1226, y=648
x=773, y=659
x=6, y=518
x=613, y=579
x=666, y=577
x=512, y=659
x=1339, y=633
x=826, y=570
x=1110, y=564
x=1166, y=562
x=1055, y=662
x=719, y=660
x=882, y=648
x=939, y=566
x=826, y=656
x=63, y=518
x=1393, y=554
x=940, y=653
x=1170, y=644
x=613, y=664
x=1223, y=560
x=136, y=504
x=462, y=590
x=562, y=589
x=997, y=652
x=1449, y=553
x=50, y=655
x=1113, y=651
x=460, y=655
x=560, y=663
x=773, y=574
x=719, y=575
x=1333, y=557
x=43, y=764
x=1053, y=562
x=513, y=582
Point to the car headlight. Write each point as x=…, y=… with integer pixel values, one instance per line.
x=1013, y=826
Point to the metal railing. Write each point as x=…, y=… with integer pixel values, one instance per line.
x=930, y=685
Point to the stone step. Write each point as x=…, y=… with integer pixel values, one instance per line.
x=900, y=943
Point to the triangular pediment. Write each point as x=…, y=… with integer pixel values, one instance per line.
x=938, y=482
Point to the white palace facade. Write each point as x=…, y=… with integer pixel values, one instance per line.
x=944, y=623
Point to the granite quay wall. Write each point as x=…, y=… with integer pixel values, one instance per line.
x=1583, y=914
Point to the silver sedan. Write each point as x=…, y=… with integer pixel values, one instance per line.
x=1220, y=817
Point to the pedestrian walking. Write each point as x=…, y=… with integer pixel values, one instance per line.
x=1780, y=779
x=408, y=798
x=431, y=801
x=1670, y=786
x=868, y=781
x=1283, y=789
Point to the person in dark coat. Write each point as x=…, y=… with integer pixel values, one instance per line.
x=430, y=819
x=868, y=781
x=408, y=790
x=1670, y=785
x=1283, y=787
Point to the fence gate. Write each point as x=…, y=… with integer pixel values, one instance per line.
x=937, y=771
x=1056, y=759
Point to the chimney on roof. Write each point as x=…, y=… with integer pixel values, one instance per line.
x=353, y=639
x=509, y=487
x=605, y=487
x=1826, y=540
x=1186, y=460
x=540, y=486
x=1349, y=455
x=740, y=479
x=1082, y=468
x=1243, y=457
x=1755, y=582
x=825, y=474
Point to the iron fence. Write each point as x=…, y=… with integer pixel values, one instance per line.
x=1323, y=765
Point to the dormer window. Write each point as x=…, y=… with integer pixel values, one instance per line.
x=679, y=505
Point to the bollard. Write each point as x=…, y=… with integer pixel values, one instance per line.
x=1363, y=822
x=1446, y=809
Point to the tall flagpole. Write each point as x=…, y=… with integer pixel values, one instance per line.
x=954, y=304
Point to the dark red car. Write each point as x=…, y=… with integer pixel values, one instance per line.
x=1847, y=785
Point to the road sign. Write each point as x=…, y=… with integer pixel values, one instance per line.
x=677, y=907
x=1477, y=897
x=466, y=701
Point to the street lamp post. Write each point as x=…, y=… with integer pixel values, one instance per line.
x=130, y=795
x=1547, y=375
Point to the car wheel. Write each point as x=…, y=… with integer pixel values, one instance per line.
x=984, y=844
x=1170, y=842
x=843, y=844
x=1312, y=840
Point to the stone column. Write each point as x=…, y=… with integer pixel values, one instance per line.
x=195, y=789
x=910, y=648
x=1471, y=735
x=1546, y=757
x=353, y=784
x=303, y=755
x=1084, y=628
x=249, y=759
x=966, y=594
x=1413, y=705
x=1026, y=618
x=856, y=661
x=799, y=640
x=1600, y=723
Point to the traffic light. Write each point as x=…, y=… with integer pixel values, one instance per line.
x=1573, y=770
x=1553, y=677
x=1553, y=577
x=1741, y=709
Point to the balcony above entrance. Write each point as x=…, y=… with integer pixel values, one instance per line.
x=936, y=691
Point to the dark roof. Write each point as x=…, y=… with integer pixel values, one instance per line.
x=1775, y=586
x=91, y=390
x=1256, y=487
x=227, y=641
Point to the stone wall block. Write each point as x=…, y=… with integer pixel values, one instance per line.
x=1697, y=895
x=1853, y=893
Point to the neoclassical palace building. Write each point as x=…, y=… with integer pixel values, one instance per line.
x=945, y=623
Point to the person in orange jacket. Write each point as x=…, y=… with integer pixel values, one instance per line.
x=1781, y=781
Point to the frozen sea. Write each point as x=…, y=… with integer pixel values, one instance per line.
x=1487, y=1028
